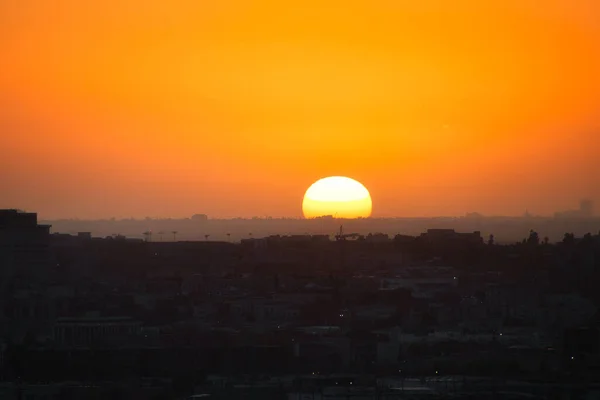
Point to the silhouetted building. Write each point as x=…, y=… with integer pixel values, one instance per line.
x=451, y=236
x=86, y=331
x=23, y=243
x=84, y=235
x=377, y=238
x=18, y=226
x=586, y=210
x=199, y=217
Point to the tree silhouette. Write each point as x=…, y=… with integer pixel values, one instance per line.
x=534, y=238
x=569, y=239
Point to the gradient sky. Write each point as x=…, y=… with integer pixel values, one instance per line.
x=233, y=108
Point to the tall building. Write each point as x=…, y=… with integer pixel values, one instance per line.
x=23, y=243
x=586, y=210
x=25, y=268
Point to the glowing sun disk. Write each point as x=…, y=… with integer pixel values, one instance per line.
x=337, y=196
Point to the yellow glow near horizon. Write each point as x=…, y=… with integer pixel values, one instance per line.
x=338, y=196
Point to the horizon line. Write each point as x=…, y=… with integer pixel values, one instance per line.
x=268, y=218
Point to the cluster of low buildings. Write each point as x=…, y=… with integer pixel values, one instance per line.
x=430, y=314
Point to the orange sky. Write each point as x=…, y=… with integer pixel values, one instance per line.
x=234, y=107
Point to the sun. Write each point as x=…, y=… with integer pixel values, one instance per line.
x=337, y=196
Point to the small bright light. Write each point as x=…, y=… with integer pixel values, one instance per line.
x=500, y=334
x=572, y=358
x=337, y=196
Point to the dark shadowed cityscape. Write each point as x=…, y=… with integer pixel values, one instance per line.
x=352, y=315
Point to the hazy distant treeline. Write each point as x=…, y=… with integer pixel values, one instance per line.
x=505, y=229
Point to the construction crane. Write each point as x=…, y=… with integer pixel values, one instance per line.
x=147, y=236
x=343, y=236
